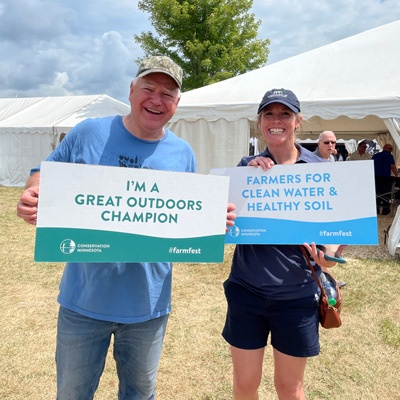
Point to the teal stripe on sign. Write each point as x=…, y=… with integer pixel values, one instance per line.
x=83, y=245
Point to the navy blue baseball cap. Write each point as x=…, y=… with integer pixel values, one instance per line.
x=283, y=96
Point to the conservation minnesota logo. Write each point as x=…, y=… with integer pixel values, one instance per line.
x=234, y=231
x=67, y=246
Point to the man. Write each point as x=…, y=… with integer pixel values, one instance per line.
x=361, y=153
x=327, y=149
x=384, y=166
x=326, y=146
x=131, y=301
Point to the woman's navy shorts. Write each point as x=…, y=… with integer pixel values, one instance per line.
x=250, y=319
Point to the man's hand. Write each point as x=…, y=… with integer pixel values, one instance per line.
x=28, y=203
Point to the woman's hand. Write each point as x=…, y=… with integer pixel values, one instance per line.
x=318, y=256
x=263, y=162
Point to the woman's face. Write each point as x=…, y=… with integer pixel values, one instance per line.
x=278, y=123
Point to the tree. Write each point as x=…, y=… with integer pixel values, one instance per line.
x=211, y=40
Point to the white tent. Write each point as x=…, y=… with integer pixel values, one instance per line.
x=31, y=128
x=394, y=235
x=351, y=86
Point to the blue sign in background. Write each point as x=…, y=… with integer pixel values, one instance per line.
x=310, y=202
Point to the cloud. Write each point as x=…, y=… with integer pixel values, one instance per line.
x=29, y=22
x=294, y=26
x=109, y=69
x=58, y=47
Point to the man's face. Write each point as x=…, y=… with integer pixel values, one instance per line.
x=327, y=145
x=154, y=99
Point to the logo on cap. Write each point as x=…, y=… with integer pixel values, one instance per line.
x=277, y=93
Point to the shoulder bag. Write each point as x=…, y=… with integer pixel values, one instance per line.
x=329, y=316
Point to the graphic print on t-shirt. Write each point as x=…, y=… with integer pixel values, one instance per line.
x=129, y=162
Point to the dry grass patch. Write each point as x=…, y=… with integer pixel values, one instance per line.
x=360, y=360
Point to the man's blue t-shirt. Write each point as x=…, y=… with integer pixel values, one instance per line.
x=119, y=292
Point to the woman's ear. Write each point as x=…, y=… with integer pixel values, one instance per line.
x=299, y=118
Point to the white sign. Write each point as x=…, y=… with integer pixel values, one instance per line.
x=325, y=203
x=91, y=213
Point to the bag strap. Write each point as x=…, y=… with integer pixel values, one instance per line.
x=305, y=254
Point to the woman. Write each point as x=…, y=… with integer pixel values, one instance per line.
x=270, y=289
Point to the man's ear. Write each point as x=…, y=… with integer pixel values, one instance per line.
x=131, y=88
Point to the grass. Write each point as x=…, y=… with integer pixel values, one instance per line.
x=360, y=360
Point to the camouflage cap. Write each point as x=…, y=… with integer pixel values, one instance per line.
x=161, y=64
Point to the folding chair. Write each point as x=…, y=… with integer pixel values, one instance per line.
x=385, y=189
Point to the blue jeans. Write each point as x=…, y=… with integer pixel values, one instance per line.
x=82, y=345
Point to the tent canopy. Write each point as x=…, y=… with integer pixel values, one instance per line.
x=351, y=87
x=30, y=128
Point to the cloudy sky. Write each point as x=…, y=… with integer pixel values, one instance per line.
x=79, y=47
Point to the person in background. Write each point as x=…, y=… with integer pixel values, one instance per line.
x=384, y=167
x=341, y=154
x=361, y=153
x=326, y=146
x=327, y=150
x=130, y=301
x=270, y=289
